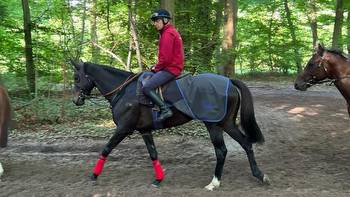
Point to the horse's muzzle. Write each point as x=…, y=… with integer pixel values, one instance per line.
x=78, y=100
x=301, y=86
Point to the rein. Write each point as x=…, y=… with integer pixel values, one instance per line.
x=117, y=89
x=126, y=82
x=331, y=81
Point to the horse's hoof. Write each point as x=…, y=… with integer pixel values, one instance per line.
x=266, y=180
x=215, y=183
x=156, y=183
x=93, y=177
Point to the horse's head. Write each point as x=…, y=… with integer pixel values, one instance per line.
x=314, y=70
x=82, y=84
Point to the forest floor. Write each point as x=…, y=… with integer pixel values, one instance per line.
x=306, y=153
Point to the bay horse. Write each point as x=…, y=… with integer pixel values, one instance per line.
x=326, y=65
x=5, y=116
x=118, y=87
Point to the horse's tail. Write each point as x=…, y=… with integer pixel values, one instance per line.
x=248, y=121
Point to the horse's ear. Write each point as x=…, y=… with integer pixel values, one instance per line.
x=320, y=49
x=76, y=65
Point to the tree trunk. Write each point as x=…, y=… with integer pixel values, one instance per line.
x=30, y=67
x=80, y=46
x=229, y=40
x=294, y=38
x=348, y=31
x=338, y=24
x=170, y=6
x=94, y=50
x=269, y=36
x=204, y=41
x=312, y=17
x=135, y=37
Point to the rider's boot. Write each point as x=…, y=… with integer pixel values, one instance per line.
x=165, y=111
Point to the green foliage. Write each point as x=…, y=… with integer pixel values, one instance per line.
x=57, y=33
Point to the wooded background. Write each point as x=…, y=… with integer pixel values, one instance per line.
x=229, y=37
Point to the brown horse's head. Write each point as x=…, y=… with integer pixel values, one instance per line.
x=314, y=70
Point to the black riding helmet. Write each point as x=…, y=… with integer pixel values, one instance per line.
x=161, y=14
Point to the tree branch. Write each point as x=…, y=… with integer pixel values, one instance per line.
x=109, y=52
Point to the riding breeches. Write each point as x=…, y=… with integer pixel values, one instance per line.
x=157, y=79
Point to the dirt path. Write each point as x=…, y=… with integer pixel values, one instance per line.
x=306, y=154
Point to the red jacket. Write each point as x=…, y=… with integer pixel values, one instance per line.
x=170, y=51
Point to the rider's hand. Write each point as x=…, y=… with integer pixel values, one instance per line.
x=153, y=67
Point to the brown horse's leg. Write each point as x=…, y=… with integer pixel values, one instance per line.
x=3, y=134
x=4, y=117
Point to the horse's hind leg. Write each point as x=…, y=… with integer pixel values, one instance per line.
x=237, y=135
x=158, y=170
x=217, y=139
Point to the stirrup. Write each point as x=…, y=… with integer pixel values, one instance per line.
x=165, y=115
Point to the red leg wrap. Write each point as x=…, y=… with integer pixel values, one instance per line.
x=99, y=165
x=158, y=170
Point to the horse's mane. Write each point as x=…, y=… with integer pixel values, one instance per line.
x=106, y=76
x=337, y=52
x=109, y=69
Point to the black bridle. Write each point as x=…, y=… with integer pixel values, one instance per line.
x=86, y=95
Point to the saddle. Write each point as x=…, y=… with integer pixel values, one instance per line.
x=159, y=90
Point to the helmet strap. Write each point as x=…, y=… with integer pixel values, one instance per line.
x=165, y=21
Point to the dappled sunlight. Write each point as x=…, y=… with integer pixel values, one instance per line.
x=339, y=115
x=303, y=111
x=105, y=124
x=346, y=131
x=334, y=134
x=339, y=133
x=282, y=107
x=297, y=117
x=297, y=110
x=317, y=105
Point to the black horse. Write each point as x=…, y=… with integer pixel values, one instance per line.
x=326, y=66
x=119, y=88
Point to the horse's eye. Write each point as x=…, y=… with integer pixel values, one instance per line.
x=76, y=78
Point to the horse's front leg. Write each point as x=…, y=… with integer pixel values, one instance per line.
x=158, y=170
x=118, y=136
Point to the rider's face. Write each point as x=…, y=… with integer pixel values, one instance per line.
x=158, y=24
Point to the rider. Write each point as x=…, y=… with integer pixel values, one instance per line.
x=170, y=60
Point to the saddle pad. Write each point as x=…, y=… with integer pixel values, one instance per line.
x=204, y=96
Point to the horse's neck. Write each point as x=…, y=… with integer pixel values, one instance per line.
x=343, y=86
x=106, y=81
x=339, y=68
